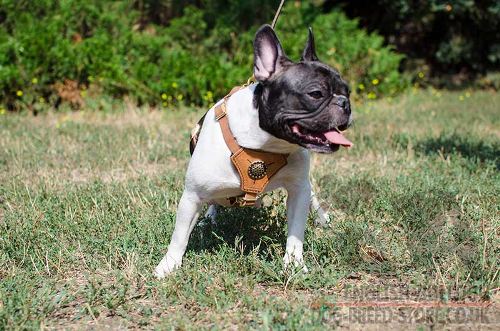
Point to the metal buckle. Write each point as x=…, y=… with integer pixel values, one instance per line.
x=250, y=80
x=247, y=202
x=222, y=113
x=240, y=201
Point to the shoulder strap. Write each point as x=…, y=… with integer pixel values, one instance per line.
x=220, y=115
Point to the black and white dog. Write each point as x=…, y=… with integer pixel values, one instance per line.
x=294, y=108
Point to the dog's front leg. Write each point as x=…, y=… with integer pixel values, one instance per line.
x=187, y=215
x=297, y=206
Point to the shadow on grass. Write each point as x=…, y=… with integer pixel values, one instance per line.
x=407, y=224
x=471, y=148
x=256, y=227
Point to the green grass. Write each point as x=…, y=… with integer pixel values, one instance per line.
x=88, y=201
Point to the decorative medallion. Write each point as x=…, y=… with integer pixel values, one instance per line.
x=257, y=170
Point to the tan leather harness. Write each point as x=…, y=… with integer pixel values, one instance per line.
x=256, y=168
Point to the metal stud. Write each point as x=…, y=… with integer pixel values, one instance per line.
x=257, y=170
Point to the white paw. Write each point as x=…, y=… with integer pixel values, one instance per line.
x=296, y=261
x=166, y=266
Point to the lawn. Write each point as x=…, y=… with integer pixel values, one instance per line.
x=88, y=202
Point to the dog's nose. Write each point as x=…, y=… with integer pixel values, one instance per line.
x=347, y=107
x=343, y=102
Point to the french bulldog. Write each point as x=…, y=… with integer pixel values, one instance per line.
x=294, y=108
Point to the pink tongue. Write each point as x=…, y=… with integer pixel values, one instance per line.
x=337, y=138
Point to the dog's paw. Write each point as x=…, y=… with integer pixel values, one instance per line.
x=293, y=262
x=166, y=266
x=322, y=219
x=211, y=215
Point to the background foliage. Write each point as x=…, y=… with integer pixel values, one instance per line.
x=165, y=52
x=53, y=51
x=459, y=36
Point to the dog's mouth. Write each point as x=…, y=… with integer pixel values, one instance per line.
x=323, y=142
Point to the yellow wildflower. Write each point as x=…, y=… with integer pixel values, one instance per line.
x=19, y=93
x=361, y=86
x=209, y=96
x=467, y=95
x=174, y=85
x=34, y=80
x=164, y=96
x=421, y=74
x=180, y=97
x=331, y=51
x=2, y=111
x=372, y=95
x=461, y=98
x=375, y=81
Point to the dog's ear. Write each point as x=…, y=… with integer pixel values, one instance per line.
x=309, y=53
x=269, y=57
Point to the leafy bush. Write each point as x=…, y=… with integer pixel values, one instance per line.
x=62, y=51
x=451, y=36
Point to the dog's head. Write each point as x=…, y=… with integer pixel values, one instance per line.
x=305, y=103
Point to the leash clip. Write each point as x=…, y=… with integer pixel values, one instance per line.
x=250, y=80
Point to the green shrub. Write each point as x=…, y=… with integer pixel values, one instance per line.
x=460, y=36
x=53, y=51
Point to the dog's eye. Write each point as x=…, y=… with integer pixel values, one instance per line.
x=315, y=94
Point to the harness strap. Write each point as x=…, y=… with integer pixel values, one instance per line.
x=220, y=115
x=254, y=167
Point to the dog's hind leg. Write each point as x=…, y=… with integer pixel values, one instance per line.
x=187, y=215
x=211, y=213
x=322, y=217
